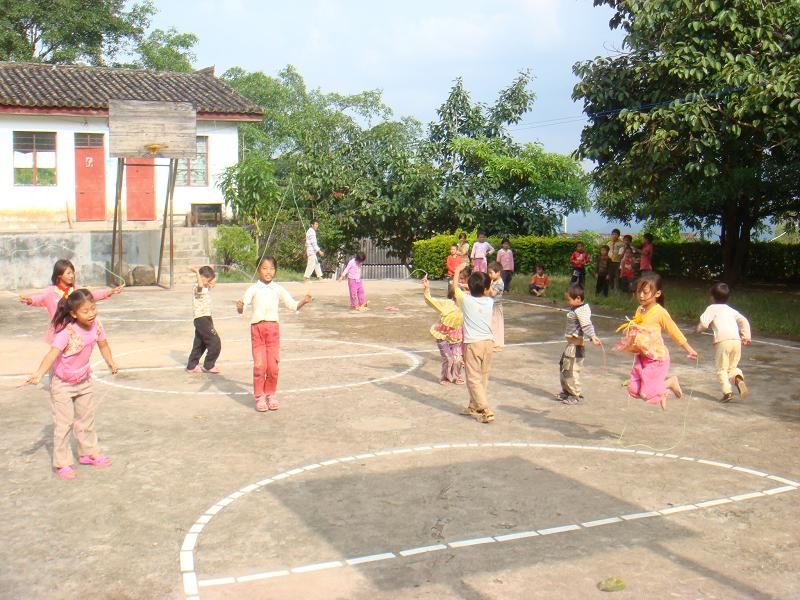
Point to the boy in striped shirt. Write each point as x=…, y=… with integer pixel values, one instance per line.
x=579, y=324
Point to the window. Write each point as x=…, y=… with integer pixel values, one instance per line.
x=194, y=171
x=34, y=158
x=88, y=140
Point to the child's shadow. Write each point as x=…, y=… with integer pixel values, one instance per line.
x=569, y=429
x=218, y=382
x=45, y=441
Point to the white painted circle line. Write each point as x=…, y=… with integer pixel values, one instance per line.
x=414, y=361
x=188, y=568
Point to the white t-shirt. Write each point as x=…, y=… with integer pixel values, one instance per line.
x=265, y=297
x=727, y=323
x=477, y=316
x=311, y=242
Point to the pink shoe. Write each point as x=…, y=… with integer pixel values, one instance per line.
x=65, y=473
x=261, y=404
x=100, y=461
x=272, y=404
x=196, y=369
x=212, y=370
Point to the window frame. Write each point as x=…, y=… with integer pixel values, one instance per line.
x=189, y=182
x=34, y=152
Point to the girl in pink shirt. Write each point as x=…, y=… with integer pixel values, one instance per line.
x=76, y=331
x=63, y=284
x=358, y=299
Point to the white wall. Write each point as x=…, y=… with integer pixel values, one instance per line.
x=56, y=204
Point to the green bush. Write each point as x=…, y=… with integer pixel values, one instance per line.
x=770, y=262
x=235, y=246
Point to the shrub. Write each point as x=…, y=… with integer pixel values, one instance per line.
x=235, y=246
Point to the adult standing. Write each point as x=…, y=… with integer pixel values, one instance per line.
x=615, y=246
x=312, y=250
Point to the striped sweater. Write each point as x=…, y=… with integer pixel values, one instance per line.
x=579, y=323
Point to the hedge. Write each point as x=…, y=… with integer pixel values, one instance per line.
x=696, y=260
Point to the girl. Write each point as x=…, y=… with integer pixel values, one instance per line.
x=496, y=290
x=463, y=247
x=353, y=272
x=264, y=295
x=626, y=271
x=63, y=284
x=448, y=333
x=480, y=252
x=643, y=337
x=76, y=332
x=505, y=256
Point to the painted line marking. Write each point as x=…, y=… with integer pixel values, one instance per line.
x=599, y=522
x=318, y=566
x=472, y=542
x=561, y=529
x=371, y=558
x=365, y=455
x=422, y=550
x=516, y=536
x=257, y=576
x=187, y=559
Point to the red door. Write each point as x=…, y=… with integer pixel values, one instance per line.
x=140, y=182
x=90, y=177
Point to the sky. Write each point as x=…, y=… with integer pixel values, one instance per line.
x=413, y=51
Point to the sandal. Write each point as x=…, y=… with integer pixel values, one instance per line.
x=65, y=473
x=486, y=416
x=444, y=382
x=459, y=381
x=100, y=461
x=571, y=400
x=261, y=404
x=468, y=411
x=272, y=404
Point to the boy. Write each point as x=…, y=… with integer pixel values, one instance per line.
x=478, y=342
x=505, y=256
x=480, y=250
x=615, y=254
x=453, y=260
x=539, y=282
x=312, y=249
x=646, y=254
x=731, y=330
x=579, y=324
x=604, y=268
x=206, y=338
x=578, y=260
x=626, y=270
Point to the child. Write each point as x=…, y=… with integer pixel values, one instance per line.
x=579, y=324
x=63, y=284
x=604, y=268
x=448, y=333
x=312, y=250
x=615, y=254
x=480, y=250
x=76, y=331
x=353, y=272
x=731, y=330
x=643, y=337
x=463, y=247
x=539, y=282
x=453, y=260
x=578, y=260
x=626, y=270
x=206, y=338
x=478, y=342
x=646, y=254
x=264, y=331
x=463, y=277
x=505, y=256
x=496, y=289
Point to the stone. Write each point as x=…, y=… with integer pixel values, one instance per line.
x=144, y=275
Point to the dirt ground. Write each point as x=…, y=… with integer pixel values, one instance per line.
x=368, y=484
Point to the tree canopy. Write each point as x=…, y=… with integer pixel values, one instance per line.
x=699, y=117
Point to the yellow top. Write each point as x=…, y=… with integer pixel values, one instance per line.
x=451, y=319
x=643, y=332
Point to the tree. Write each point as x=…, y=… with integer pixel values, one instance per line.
x=167, y=50
x=67, y=31
x=699, y=118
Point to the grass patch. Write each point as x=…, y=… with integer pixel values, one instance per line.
x=236, y=276
x=772, y=310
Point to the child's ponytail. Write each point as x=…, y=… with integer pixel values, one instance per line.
x=68, y=305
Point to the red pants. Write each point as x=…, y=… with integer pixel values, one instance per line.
x=266, y=340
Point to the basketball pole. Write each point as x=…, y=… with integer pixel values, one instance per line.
x=116, y=258
x=168, y=218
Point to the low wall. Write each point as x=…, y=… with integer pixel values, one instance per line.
x=26, y=259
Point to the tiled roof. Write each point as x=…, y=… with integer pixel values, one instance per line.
x=34, y=85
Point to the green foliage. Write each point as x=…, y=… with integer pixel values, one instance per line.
x=697, y=120
x=167, y=50
x=235, y=246
x=665, y=229
x=68, y=31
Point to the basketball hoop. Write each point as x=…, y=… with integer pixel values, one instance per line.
x=154, y=148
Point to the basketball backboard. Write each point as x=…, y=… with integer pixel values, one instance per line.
x=143, y=128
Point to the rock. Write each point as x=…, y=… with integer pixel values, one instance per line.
x=144, y=275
